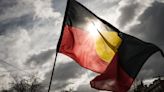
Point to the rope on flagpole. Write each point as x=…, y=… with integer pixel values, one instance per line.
x=49, y=88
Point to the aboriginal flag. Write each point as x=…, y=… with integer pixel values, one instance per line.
x=98, y=46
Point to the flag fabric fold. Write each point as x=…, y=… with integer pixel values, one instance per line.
x=98, y=46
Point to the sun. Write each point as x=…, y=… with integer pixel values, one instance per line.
x=94, y=27
x=99, y=32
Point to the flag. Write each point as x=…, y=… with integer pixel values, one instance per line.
x=100, y=47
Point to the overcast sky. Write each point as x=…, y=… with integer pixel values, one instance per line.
x=29, y=32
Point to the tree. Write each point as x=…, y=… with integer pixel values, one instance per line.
x=28, y=84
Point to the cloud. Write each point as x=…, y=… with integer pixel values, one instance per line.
x=150, y=29
x=160, y=1
x=59, y=5
x=40, y=58
x=17, y=9
x=64, y=71
x=8, y=25
x=6, y=4
x=143, y=19
x=86, y=88
x=149, y=70
x=130, y=11
x=10, y=50
x=151, y=24
x=43, y=9
x=68, y=74
x=106, y=9
x=29, y=31
x=73, y=70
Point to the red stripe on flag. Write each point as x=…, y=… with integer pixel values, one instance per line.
x=113, y=79
x=79, y=45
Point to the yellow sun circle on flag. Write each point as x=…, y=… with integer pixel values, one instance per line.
x=107, y=49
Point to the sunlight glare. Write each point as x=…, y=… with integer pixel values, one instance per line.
x=93, y=27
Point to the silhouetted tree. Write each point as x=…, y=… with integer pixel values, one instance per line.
x=30, y=84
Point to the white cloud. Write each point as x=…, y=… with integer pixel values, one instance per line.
x=21, y=7
x=13, y=48
x=21, y=42
x=43, y=9
x=106, y=9
x=130, y=11
x=160, y=1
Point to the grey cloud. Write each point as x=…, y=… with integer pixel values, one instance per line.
x=24, y=31
x=7, y=67
x=152, y=68
x=86, y=88
x=64, y=72
x=151, y=25
x=17, y=9
x=59, y=86
x=14, y=14
x=128, y=13
x=104, y=4
x=59, y=5
x=150, y=29
x=25, y=21
x=4, y=4
x=160, y=1
x=25, y=14
x=67, y=71
x=41, y=58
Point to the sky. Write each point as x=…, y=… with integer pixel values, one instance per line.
x=30, y=29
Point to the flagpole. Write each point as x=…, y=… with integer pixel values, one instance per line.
x=58, y=45
x=52, y=72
